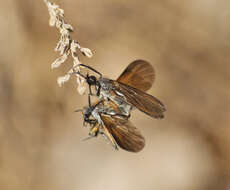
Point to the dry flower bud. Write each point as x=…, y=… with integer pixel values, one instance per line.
x=58, y=23
x=74, y=46
x=87, y=52
x=63, y=79
x=68, y=27
x=59, y=61
x=76, y=61
x=52, y=21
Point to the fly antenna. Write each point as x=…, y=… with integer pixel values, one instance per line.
x=79, y=110
x=92, y=69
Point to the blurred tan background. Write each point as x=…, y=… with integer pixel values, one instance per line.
x=40, y=137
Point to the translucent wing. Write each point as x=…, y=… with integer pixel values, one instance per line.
x=141, y=100
x=139, y=74
x=124, y=133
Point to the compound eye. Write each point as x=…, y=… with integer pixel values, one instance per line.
x=86, y=115
x=92, y=80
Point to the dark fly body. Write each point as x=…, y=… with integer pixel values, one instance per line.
x=128, y=90
x=104, y=118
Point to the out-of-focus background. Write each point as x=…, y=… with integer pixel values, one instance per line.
x=188, y=43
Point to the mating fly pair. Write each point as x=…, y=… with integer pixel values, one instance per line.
x=109, y=116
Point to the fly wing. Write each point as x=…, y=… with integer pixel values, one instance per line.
x=139, y=74
x=124, y=133
x=141, y=100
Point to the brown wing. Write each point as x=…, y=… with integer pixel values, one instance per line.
x=139, y=74
x=124, y=133
x=141, y=100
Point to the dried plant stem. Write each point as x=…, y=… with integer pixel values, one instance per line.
x=66, y=46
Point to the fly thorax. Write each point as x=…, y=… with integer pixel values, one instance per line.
x=104, y=95
x=105, y=84
x=96, y=115
x=109, y=111
x=124, y=107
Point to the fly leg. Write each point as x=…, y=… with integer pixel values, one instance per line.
x=110, y=138
x=94, y=131
x=90, y=91
x=103, y=130
x=98, y=90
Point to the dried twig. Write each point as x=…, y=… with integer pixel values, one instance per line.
x=66, y=46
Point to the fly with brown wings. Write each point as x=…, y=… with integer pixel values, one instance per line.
x=109, y=116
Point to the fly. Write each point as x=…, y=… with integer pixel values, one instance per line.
x=104, y=118
x=129, y=90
